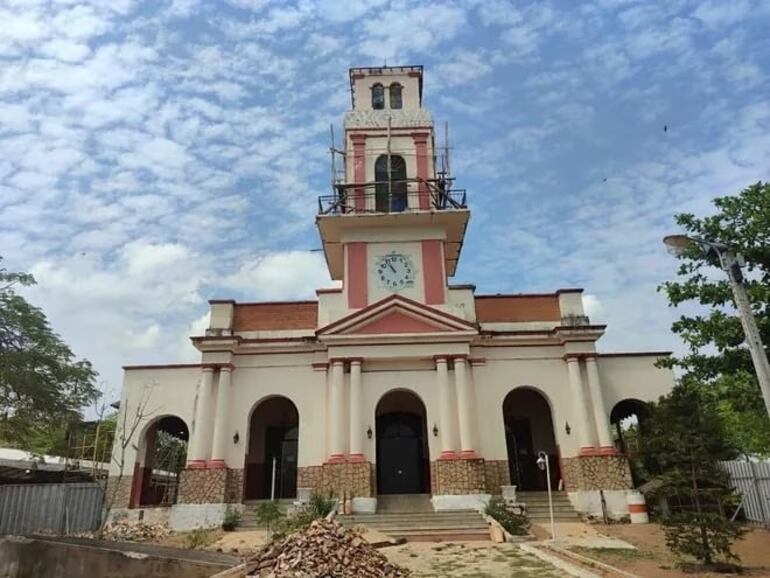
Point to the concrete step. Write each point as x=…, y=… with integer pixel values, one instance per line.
x=423, y=526
x=404, y=503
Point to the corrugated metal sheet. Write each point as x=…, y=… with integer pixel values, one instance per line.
x=752, y=481
x=58, y=508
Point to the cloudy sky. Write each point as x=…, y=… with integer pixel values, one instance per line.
x=155, y=154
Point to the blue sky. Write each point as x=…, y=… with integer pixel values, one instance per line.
x=155, y=154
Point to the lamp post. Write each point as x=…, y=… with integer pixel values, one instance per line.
x=730, y=262
x=542, y=463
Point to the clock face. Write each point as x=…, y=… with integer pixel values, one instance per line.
x=395, y=271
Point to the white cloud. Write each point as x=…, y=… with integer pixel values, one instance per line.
x=280, y=276
x=714, y=13
x=66, y=50
x=399, y=33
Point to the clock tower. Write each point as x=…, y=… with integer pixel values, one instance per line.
x=394, y=224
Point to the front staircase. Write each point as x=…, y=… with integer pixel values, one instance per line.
x=537, y=506
x=412, y=518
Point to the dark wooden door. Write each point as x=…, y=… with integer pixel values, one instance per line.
x=400, y=456
x=522, y=458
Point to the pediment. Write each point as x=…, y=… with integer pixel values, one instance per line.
x=397, y=315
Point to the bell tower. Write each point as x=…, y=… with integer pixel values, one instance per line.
x=394, y=223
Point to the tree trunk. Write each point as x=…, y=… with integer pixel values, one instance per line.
x=701, y=523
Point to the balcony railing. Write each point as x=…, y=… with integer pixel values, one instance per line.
x=409, y=195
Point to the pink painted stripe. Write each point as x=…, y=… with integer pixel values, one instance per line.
x=357, y=291
x=433, y=272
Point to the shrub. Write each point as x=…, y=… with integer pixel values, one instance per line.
x=515, y=524
x=198, y=538
x=268, y=514
x=706, y=536
x=231, y=519
x=317, y=507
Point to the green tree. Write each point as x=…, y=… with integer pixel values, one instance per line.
x=42, y=386
x=683, y=441
x=717, y=357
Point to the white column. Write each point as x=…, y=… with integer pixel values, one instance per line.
x=580, y=412
x=601, y=417
x=336, y=418
x=221, y=422
x=199, y=444
x=464, y=408
x=448, y=451
x=356, y=421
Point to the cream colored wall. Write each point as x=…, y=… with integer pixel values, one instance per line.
x=331, y=306
x=508, y=368
x=173, y=391
x=169, y=391
x=258, y=377
x=633, y=377
x=460, y=302
x=384, y=377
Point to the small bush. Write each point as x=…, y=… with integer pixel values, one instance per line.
x=198, y=538
x=515, y=524
x=231, y=519
x=268, y=514
x=317, y=507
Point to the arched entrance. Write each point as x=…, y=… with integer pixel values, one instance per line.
x=403, y=465
x=627, y=415
x=271, y=459
x=165, y=454
x=529, y=430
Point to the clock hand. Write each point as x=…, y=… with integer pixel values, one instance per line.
x=391, y=267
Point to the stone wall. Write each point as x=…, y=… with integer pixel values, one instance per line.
x=596, y=473
x=455, y=477
x=497, y=474
x=234, y=486
x=210, y=486
x=122, y=495
x=352, y=479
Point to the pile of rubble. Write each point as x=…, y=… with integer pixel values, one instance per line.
x=323, y=549
x=122, y=531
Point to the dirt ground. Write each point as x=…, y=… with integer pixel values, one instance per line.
x=469, y=560
x=653, y=560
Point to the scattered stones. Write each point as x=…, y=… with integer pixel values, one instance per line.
x=323, y=549
x=135, y=531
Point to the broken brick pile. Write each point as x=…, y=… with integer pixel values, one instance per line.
x=323, y=549
x=122, y=531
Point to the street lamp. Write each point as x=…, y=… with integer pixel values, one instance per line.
x=542, y=463
x=730, y=262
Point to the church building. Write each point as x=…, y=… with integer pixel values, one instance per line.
x=397, y=381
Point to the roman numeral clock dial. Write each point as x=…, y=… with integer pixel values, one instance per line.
x=395, y=271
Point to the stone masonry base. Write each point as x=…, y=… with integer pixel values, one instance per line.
x=353, y=480
x=210, y=486
x=596, y=473
x=119, y=491
x=458, y=477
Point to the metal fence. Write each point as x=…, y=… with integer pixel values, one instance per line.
x=752, y=481
x=57, y=508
